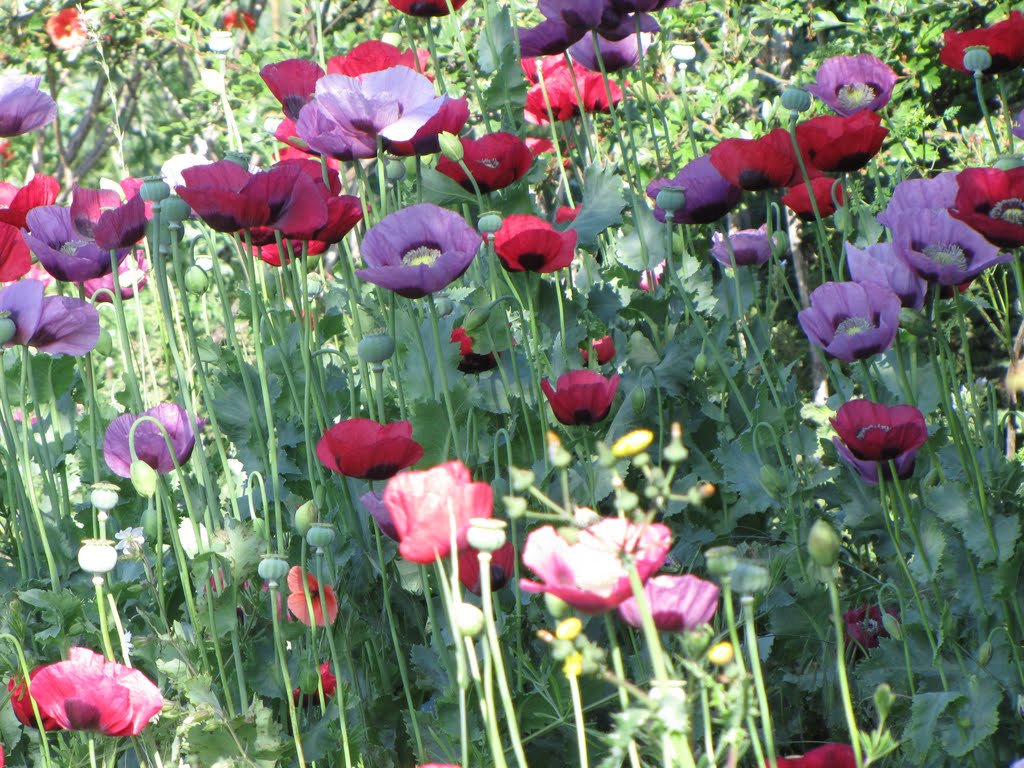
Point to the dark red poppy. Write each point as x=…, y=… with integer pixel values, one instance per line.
x=870, y=435
x=837, y=144
x=21, y=703
x=503, y=564
x=991, y=202
x=238, y=20
x=426, y=7
x=564, y=214
x=537, y=146
x=470, y=361
x=528, y=244
x=15, y=203
x=798, y=200
x=581, y=397
x=365, y=449
x=15, y=257
x=292, y=82
x=373, y=56
x=1004, y=42
x=330, y=686
x=756, y=164
x=495, y=160
x=825, y=756
x=605, y=348
x=864, y=626
x=343, y=211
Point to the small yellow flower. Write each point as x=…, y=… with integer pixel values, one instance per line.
x=631, y=443
x=573, y=665
x=721, y=654
x=569, y=629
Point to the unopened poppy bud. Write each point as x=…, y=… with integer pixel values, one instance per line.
x=174, y=209
x=675, y=452
x=750, y=578
x=489, y=223
x=521, y=479
x=556, y=606
x=780, y=243
x=823, y=544
x=721, y=654
x=103, y=496
x=670, y=199
x=559, y=457
x=104, y=344
x=700, y=363
x=796, y=100
x=309, y=679
x=638, y=400
x=143, y=478
x=320, y=535
x=985, y=654
x=721, y=561
x=515, y=506
x=695, y=641
x=97, y=556
x=376, y=348
x=196, y=280
x=476, y=318
x=977, y=59
x=272, y=569
x=444, y=306
x=469, y=619
x=304, y=517
x=883, y=700
x=7, y=328
x=451, y=146
x=392, y=38
x=314, y=285
x=486, y=534
x=892, y=626
x=155, y=188
x=395, y=170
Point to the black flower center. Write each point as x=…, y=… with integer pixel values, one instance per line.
x=531, y=261
x=82, y=715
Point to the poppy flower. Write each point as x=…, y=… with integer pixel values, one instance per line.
x=841, y=144
x=503, y=565
x=749, y=247
x=367, y=450
x=23, y=107
x=561, y=90
x=757, y=164
x=101, y=215
x=991, y=202
x=343, y=211
x=869, y=435
x=677, y=603
x=1003, y=41
x=1017, y=128
x=292, y=82
x=656, y=273
x=798, y=199
x=938, y=192
x=150, y=445
x=425, y=505
x=942, y=249
x=418, y=250
x=89, y=693
x=54, y=324
x=880, y=264
x=589, y=573
x=15, y=203
x=851, y=321
x=132, y=276
x=66, y=30
x=581, y=397
x=864, y=626
x=528, y=244
x=374, y=504
x=470, y=361
x=320, y=596
x=616, y=55
x=21, y=703
x=64, y=252
x=604, y=347
x=850, y=84
x=825, y=756
x=238, y=19
x=566, y=215
x=15, y=257
x=708, y=195
x=569, y=21
x=327, y=680
x=374, y=56
x=425, y=8
x=495, y=161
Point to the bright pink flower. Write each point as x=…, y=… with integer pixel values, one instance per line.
x=677, y=603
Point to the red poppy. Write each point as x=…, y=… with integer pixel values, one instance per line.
x=470, y=361
x=605, y=348
x=757, y=164
x=558, y=84
x=89, y=693
x=837, y=144
x=425, y=505
x=6, y=153
x=15, y=257
x=319, y=596
x=15, y=203
x=503, y=564
x=528, y=244
x=330, y=686
x=564, y=214
x=274, y=255
x=864, y=625
x=1004, y=42
x=496, y=161
x=21, y=703
x=991, y=202
x=426, y=7
x=374, y=56
x=825, y=756
x=238, y=20
x=537, y=146
x=870, y=435
x=66, y=30
x=798, y=200
x=581, y=397
x=292, y=82
x=343, y=211
x=370, y=451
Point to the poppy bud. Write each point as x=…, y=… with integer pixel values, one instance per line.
x=721, y=560
x=823, y=544
x=196, y=280
x=700, y=364
x=556, y=606
x=638, y=400
x=488, y=223
x=892, y=626
x=476, y=318
x=320, y=535
x=143, y=478
x=105, y=343
x=272, y=569
x=469, y=619
x=7, y=329
x=780, y=243
x=174, y=209
x=675, y=452
x=632, y=443
x=154, y=188
x=304, y=517
x=773, y=481
x=376, y=348
x=392, y=38
x=883, y=700
x=104, y=496
x=977, y=59
x=97, y=556
x=985, y=654
x=451, y=147
x=486, y=534
x=796, y=100
x=150, y=521
x=395, y=170
x=309, y=679
x=670, y=199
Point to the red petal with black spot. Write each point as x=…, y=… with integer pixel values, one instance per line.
x=757, y=164
x=495, y=161
x=581, y=397
x=528, y=244
x=503, y=563
x=876, y=432
x=991, y=202
x=1004, y=41
x=367, y=450
x=426, y=7
x=841, y=144
x=798, y=200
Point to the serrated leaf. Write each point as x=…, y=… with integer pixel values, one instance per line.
x=974, y=718
x=603, y=201
x=925, y=711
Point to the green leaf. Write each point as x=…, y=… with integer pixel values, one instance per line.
x=919, y=736
x=441, y=190
x=603, y=201
x=974, y=718
x=644, y=247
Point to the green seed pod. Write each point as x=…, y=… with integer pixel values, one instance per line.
x=395, y=170
x=444, y=305
x=823, y=544
x=103, y=496
x=105, y=343
x=670, y=199
x=796, y=100
x=154, y=188
x=7, y=329
x=977, y=59
x=780, y=243
x=304, y=517
x=489, y=223
x=144, y=478
x=97, y=556
x=196, y=280
x=722, y=561
x=320, y=535
x=749, y=578
x=486, y=534
x=150, y=522
x=174, y=209
x=376, y=348
x=700, y=364
x=273, y=568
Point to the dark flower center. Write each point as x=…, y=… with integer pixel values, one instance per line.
x=851, y=326
x=381, y=471
x=82, y=715
x=856, y=95
x=946, y=254
x=754, y=179
x=1011, y=210
x=531, y=261
x=583, y=416
x=863, y=432
x=420, y=255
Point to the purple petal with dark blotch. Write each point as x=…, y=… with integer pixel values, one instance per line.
x=67, y=326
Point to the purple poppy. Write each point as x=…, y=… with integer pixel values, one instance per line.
x=100, y=215
x=870, y=435
x=749, y=247
x=22, y=303
x=57, y=325
x=938, y=192
x=851, y=321
x=1018, y=125
x=64, y=252
x=881, y=264
x=942, y=249
x=849, y=84
x=348, y=114
x=418, y=250
x=374, y=503
x=150, y=445
x=708, y=196
x=616, y=55
x=132, y=276
x=677, y=603
x=567, y=21
x=23, y=107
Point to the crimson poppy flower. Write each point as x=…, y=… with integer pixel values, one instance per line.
x=503, y=564
x=581, y=397
x=825, y=756
x=870, y=435
x=942, y=249
x=292, y=82
x=1003, y=41
x=21, y=703
x=565, y=215
x=470, y=361
x=66, y=30
x=367, y=450
x=864, y=626
x=746, y=248
x=708, y=195
x=879, y=263
x=23, y=107
x=89, y=693
x=605, y=348
x=15, y=257
x=150, y=445
x=320, y=596
x=374, y=56
x=528, y=244
x=343, y=211
x=798, y=199
x=677, y=603
x=425, y=505
x=327, y=680
x=849, y=84
x=991, y=202
x=589, y=573
x=841, y=144
x=100, y=214
x=757, y=164
x=238, y=19
x=425, y=8
x=495, y=161
x=851, y=321
x=15, y=203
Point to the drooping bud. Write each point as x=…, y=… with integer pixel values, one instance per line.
x=196, y=280
x=451, y=146
x=304, y=517
x=143, y=477
x=823, y=544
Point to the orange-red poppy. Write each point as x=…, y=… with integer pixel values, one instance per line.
x=67, y=30
x=319, y=596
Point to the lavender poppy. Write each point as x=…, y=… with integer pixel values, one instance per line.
x=851, y=321
x=418, y=250
x=100, y=215
x=849, y=84
x=567, y=21
x=616, y=55
x=63, y=251
x=677, y=603
x=870, y=435
x=1018, y=125
x=749, y=247
x=348, y=114
x=920, y=194
x=67, y=326
x=150, y=445
x=942, y=249
x=880, y=264
x=22, y=303
x=23, y=107
x=708, y=196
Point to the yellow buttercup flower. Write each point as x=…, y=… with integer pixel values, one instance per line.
x=573, y=665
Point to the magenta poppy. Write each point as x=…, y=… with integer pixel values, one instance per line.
x=841, y=144
x=425, y=8
x=150, y=445
x=708, y=196
x=589, y=574
x=54, y=324
x=604, y=347
x=677, y=603
x=1003, y=41
x=495, y=161
x=864, y=626
x=616, y=55
x=528, y=244
x=746, y=248
x=991, y=202
x=849, y=84
x=365, y=449
x=64, y=252
x=292, y=82
x=756, y=164
x=99, y=214
x=581, y=397
x=503, y=566
x=870, y=435
x=825, y=756
x=374, y=504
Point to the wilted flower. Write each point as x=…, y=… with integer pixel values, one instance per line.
x=849, y=84
x=871, y=434
x=880, y=264
x=238, y=19
x=470, y=361
x=991, y=202
x=367, y=450
x=528, y=244
x=495, y=161
x=150, y=445
x=851, y=321
x=604, y=347
x=1003, y=41
x=23, y=107
x=748, y=247
x=677, y=603
x=581, y=397
x=942, y=249
x=319, y=595
x=708, y=195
